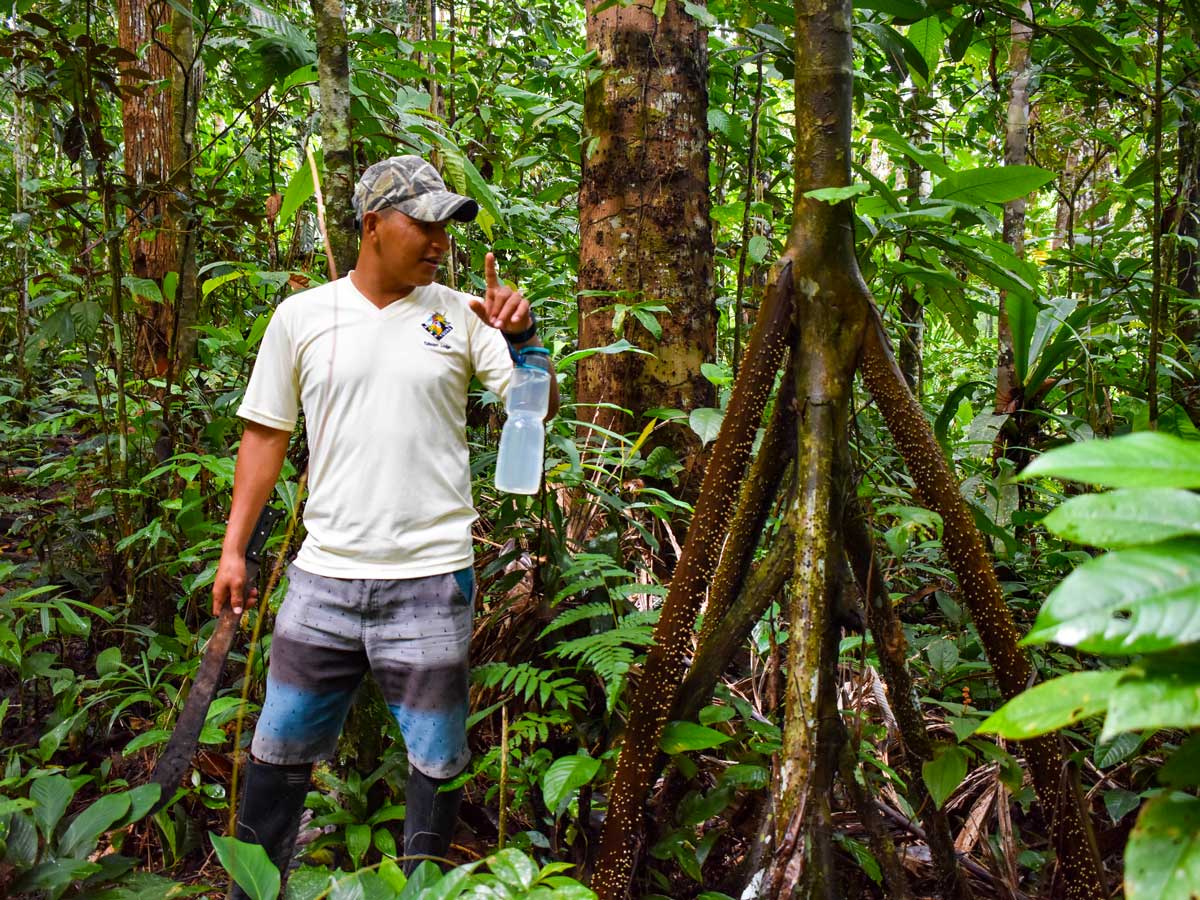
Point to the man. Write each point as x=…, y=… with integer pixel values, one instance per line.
x=380, y=361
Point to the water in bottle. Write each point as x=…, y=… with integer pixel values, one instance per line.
x=522, y=442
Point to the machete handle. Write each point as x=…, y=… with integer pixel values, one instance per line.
x=267, y=520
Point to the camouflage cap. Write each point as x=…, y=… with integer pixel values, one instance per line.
x=414, y=187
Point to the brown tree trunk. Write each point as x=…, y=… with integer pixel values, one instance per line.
x=1053, y=777
x=158, y=125
x=1016, y=138
x=645, y=236
x=654, y=697
x=333, y=75
x=912, y=310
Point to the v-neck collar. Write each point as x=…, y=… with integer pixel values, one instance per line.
x=396, y=306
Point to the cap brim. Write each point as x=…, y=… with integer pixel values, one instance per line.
x=440, y=206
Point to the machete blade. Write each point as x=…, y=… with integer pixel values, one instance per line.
x=181, y=746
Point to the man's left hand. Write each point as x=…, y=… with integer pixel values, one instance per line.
x=501, y=307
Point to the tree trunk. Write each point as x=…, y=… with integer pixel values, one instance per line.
x=333, y=75
x=1053, y=778
x=654, y=697
x=831, y=309
x=1186, y=388
x=645, y=235
x=1016, y=138
x=158, y=125
x=912, y=310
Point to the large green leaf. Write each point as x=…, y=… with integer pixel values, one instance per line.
x=514, y=868
x=300, y=188
x=991, y=184
x=1140, y=600
x=249, y=866
x=1126, y=518
x=52, y=794
x=944, y=772
x=1161, y=692
x=927, y=36
x=706, y=422
x=680, y=736
x=1145, y=459
x=565, y=776
x=1052, y=705
x=1022, y=319
x=1162, y=858
x=85, y=829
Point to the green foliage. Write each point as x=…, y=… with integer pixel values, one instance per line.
x=1136, y=600
x=249, y=866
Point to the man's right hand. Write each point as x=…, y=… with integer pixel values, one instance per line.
x=229, y=587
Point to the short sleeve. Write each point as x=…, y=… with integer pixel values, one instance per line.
x=489, y=357
x=273, y=394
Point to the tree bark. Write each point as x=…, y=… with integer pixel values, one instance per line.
x=1016, y=139
x=831, y=310
x=654, y=697
x=333, y=76
x=1052, y=774
x=159, y=127
x=645, y=235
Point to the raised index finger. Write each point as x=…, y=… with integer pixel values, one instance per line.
x=489, y=271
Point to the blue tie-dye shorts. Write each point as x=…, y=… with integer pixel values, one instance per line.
x=412, y=633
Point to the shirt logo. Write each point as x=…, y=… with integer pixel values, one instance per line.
x=437, y=325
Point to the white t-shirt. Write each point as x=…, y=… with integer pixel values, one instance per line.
x=384, y=393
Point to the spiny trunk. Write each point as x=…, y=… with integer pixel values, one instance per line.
x=666, y=661
x=645, y=236
x=1053, y=777
x=892, y=648
x=831, y=307
x=333, y=76
x=1016, y=138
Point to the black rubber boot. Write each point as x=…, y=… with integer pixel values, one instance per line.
x=269, y=814
x=429, y=820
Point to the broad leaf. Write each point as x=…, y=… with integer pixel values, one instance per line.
x=1162, y=692
x=991, y=184
x=1052, y=705
x=514, y=868
x=706, y=422
x=52, y=794
x=927, y=36
x=678, y=737
x=249, y=866
x=1140, y=600
x=565, y=776
x=85, y=829
x=1162, y=858
x=1145, y=459
x=834, y=195
x=1022, y=318
x=300, y=188
x=944, y=772
x=1126, y=518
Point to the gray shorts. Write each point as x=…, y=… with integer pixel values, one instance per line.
x=413, y=634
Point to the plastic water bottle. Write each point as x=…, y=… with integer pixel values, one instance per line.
x=522, y=442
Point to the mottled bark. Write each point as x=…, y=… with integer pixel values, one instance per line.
x=831, y=309
x=654, y=697
x=333, y=76
x=1016, y=139
x=159, y=121
x=645, y=235
x=912, y=310
x=1054, y=777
